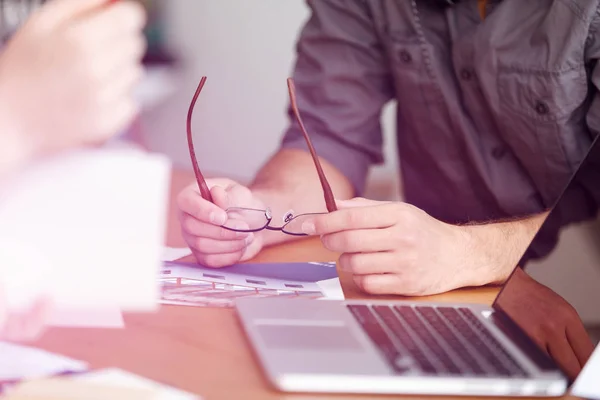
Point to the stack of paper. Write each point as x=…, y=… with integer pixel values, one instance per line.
x=86, y=229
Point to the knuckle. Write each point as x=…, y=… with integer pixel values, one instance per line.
x=347, y=262
x=327, y=241
x=356, y=264
x=320, y=224
x=370, y=285
x=409, y=242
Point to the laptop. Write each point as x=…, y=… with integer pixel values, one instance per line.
x=416, y=347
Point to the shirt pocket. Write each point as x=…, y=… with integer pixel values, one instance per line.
x=417, y=90
x=536, y=120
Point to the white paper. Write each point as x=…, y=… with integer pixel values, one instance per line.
x=175, y=253
x=87, y=318
x=198, y=286
x=119, y=378
x=224, y=276
x=86, y=228
x=587, y=384
x=21, y=362
x=332, y=289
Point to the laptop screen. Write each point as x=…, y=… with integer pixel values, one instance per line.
x=556, y=299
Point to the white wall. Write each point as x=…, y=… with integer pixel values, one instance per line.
x=246, y=48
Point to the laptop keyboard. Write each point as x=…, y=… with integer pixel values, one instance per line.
x=439, y=340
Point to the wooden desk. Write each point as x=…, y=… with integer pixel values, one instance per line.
x=202, y=350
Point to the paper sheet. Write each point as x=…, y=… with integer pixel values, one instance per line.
x=332, y=288
x=587, y=384
x=175, y=253
x=23, y=362
x=199, y=286
x=87, y=228
x=120, y=378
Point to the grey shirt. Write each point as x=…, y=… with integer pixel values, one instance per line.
x=494, y=115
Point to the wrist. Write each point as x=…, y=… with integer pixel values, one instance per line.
x=492, y=251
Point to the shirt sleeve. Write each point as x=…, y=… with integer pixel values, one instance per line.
x=342, y=83
x=581, y=199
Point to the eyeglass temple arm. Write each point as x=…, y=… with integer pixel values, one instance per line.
x=327, y=192
x=204, y=190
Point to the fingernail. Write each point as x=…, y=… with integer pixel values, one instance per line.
x=309, y=228
x=218, y=218
x=249, y=239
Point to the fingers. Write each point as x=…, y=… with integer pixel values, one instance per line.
x=371, y=217
x=561, y=351
x=59, y=11
x=378, y=283
x=211, y=246
x=201, y=224
x=190, y=202
x=119, y=89
x=110, y=24
x=121, y=66
x=366, y=264
x=218, y=260
x=194, y=227
x=123, y=114
x=359, y=202
x=362, y=240
x=232, y=195
x=579, y=340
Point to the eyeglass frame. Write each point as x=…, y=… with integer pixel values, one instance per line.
x=205, y=191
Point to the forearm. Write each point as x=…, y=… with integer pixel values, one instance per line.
x=501, y=246
x=289, y=181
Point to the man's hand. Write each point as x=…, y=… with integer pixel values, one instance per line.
x=201, y=222
x=549, y=320
x=67, y=75
x=396, y=248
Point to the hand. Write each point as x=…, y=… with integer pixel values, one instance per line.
x=201, y=222
x=66, y=77
x=24, y=326
x=549, y=320
x=396, y=248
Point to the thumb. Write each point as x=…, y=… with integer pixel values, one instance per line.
x=57, y=12
x=358, y=202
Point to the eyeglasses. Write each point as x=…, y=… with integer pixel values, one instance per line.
x=242, y=219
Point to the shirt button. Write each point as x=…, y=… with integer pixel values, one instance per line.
x=466, y=74
x=405, y=56
x=498, y=152
x=541, y=108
